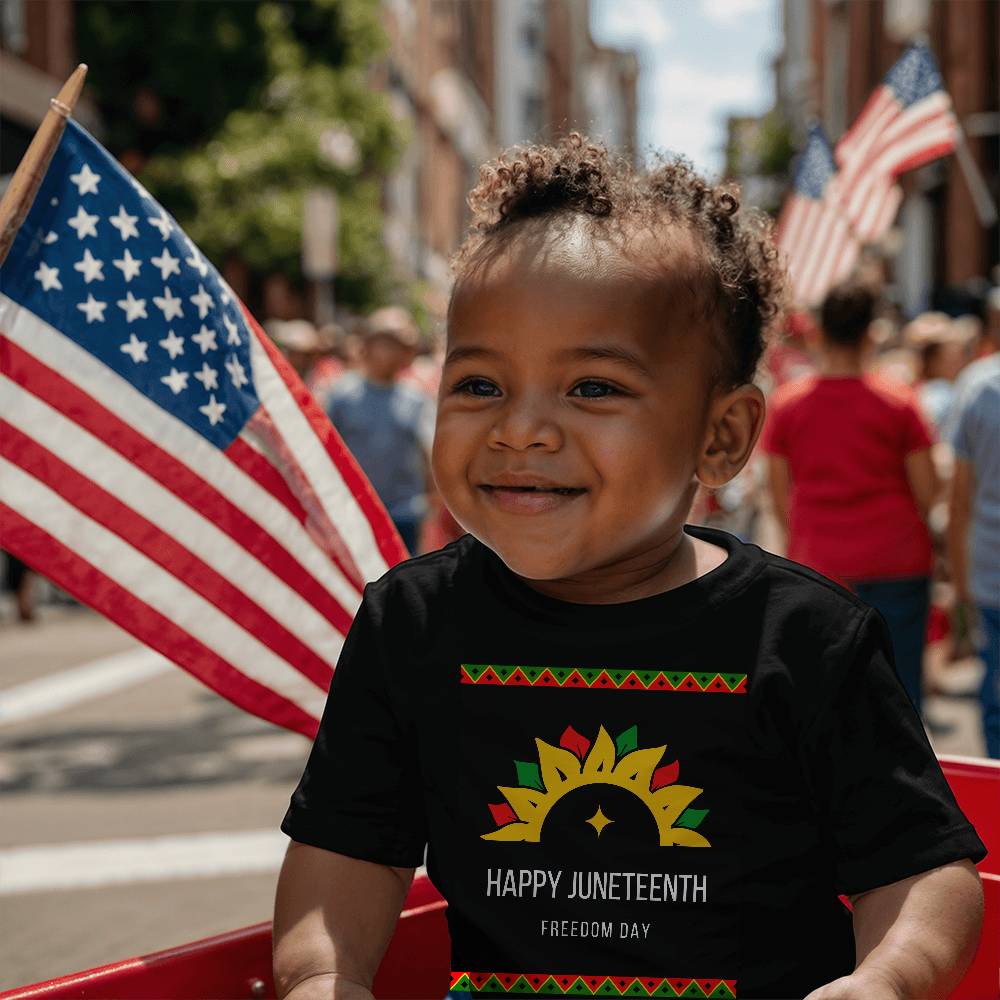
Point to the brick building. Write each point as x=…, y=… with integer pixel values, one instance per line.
x=837, y=51
x=37, y=54
x=470, y=79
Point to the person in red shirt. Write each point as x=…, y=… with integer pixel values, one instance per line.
x=851, y=475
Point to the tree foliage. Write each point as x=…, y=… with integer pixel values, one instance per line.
x=242, y=108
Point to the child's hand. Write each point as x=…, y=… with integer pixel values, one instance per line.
x=860, y=985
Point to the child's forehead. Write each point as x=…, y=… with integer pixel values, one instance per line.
x=583, y=248
x=650, y=271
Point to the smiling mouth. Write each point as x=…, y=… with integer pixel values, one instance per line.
x=561, y=490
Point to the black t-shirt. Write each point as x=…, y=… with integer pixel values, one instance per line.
x=657, y=798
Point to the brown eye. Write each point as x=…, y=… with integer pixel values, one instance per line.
x=480, y=387
x=592, y=389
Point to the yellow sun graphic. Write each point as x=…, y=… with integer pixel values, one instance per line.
x=575, y=763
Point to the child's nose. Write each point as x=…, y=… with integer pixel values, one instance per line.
x=526, y=422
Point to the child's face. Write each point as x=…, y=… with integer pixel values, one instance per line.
x=575, y=369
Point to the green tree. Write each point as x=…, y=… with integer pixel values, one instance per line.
x=242, y=108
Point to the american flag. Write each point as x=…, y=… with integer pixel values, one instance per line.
x=160, y=460
x=907, y=121
x=819, y=246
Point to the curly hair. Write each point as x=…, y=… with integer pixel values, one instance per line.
x=742, y=284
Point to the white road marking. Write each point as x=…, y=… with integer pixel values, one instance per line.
x=70, y=687
x=149, y=859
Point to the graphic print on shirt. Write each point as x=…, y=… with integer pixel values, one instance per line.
x=578, y=762
x=582, y=808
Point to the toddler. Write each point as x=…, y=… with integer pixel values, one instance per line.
x=643, y=757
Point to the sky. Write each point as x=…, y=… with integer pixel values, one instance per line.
x=700, y=61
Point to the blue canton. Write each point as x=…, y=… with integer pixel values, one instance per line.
x=98, y=259
x=915, y=76
x=816, y=166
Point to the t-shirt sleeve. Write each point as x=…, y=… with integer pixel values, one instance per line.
x=917, y=432
x=360, y=793
x=879, y=790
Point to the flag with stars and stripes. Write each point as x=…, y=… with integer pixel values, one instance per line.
x=819, y=247
x=161, y=461
x=907, y=121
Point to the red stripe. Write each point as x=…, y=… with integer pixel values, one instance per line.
x=880, y=149
x=390, y=545
x=161, y=465
x=871, y=110
x=321, y=529
x=257, y=467
x=919, y=158
x=161, y=548
x=87, y=583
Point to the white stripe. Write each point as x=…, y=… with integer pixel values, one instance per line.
x=80, y=683
x=940, y=133
x=809, y=219
x=934, y=106
x=156, y=587
x=814, y=255
x=318, y=467
x=853, y=148
x=128, y=483
x=118, y=396
x=56, y=867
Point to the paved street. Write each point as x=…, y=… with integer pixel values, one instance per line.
x=115, y=773
x=140, y=810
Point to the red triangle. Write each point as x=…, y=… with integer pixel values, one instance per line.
x=489, y=677
x=572, y=741
x=546, y=677
x=632, y=681
x=665, y=775
x=479, y=978
x=518, y=678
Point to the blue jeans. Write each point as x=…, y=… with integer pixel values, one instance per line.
x=905, y=605
x=989, y=693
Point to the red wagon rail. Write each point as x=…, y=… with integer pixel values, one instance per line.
x=238, y=964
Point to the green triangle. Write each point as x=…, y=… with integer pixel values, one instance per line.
x=590, y=675
x=694, y=990
x=580, y=989
x=503, y=672
x=522, y=986
x=723, y=991
x=664, y=990
x=675, y=679
x=691, y=819
x=608, y=989
x=528, y=775
x=550, y=987
x=646, y=677
x=618, y=676
x=492, y=985
x=627, y=741
x=703, y=680
x=561, y=673
x=532, y=673
x=475, y=670
x=463, y=983
x=636, y=990
x=733, y=680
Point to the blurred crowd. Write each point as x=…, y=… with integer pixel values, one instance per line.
x=879, y=464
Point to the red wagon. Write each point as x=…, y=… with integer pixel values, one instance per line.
x=238, y=964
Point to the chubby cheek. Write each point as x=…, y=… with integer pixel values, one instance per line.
x=455, y=444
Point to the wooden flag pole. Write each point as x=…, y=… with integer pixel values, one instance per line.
x=24, y=185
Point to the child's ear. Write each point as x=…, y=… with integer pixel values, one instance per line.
x=735, y=420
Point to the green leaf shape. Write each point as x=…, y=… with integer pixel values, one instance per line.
x=691, y=819
x=627, y=741
x=529, y=775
